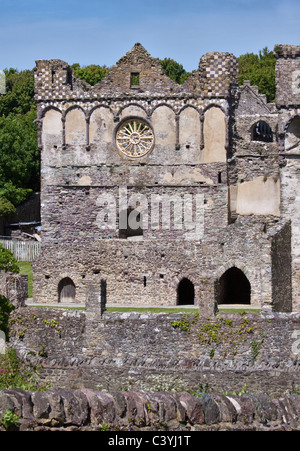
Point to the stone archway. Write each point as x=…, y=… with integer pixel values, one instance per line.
x=234, y=287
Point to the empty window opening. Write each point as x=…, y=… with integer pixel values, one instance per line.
x=135, y=79
x=145, y=281
x=262, y=132
x=219, y=177
x=234, y=288
x=66, y=291
x=130, y=224
x=185, y=292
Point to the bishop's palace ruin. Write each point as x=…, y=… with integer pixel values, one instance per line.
x=156, y=193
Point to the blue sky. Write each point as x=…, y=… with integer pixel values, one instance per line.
x=100, y=32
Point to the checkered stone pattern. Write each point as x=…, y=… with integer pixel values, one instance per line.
x=51, y=80
x=219, y=72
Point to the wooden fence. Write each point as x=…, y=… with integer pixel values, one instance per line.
x=23, y=251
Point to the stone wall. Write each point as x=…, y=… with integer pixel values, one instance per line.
x=14, y=287
x=139, y=411
x=137, y=272
x=155, y=352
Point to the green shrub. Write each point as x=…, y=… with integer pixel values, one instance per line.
x=5, y=309
x=8, y=263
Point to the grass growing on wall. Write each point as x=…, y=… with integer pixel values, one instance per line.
x=26, y=268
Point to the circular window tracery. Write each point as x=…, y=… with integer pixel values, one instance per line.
x=134, y=138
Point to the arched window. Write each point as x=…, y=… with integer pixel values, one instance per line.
x=234, y=287
x=185, y=292
x=262, y=132
x=66, y=291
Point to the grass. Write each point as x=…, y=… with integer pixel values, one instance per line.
x=26, y=268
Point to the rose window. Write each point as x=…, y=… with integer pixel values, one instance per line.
x=134, y=138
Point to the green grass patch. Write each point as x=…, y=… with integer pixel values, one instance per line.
x=26, y=268
x=150, y=309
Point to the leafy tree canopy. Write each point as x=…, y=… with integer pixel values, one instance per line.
x=174, y=70
x=92, y=74
x=260, y=71
x=19, y=154
x=19, y=97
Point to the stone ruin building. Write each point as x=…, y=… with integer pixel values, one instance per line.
x=155, y=193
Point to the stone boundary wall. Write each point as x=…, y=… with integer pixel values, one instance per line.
x=160, y=352
x=141, y=411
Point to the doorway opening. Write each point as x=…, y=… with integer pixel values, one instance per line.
x=66, y=291
x=185, y=292
x=234, y=287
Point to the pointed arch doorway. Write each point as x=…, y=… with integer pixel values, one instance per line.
x=234, y=287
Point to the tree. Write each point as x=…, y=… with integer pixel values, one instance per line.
x=92, y=74
x=260, y=71
x=19, y=97
x=174, y=70
x=19, y=156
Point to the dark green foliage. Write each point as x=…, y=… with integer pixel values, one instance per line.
x=6, y=207
x=5, y=310
x=19, y=154
x=174, y=70
x=19, y=97
x=260, y=71
x=8, y=263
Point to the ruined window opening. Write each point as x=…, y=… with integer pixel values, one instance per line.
x=185, y=292
x=145, y=281
x=53, y=72
x=135, y=79
x=130, y=224
x=234, y=287
x=262, y=132
x=66, y=291
x=219, y=177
